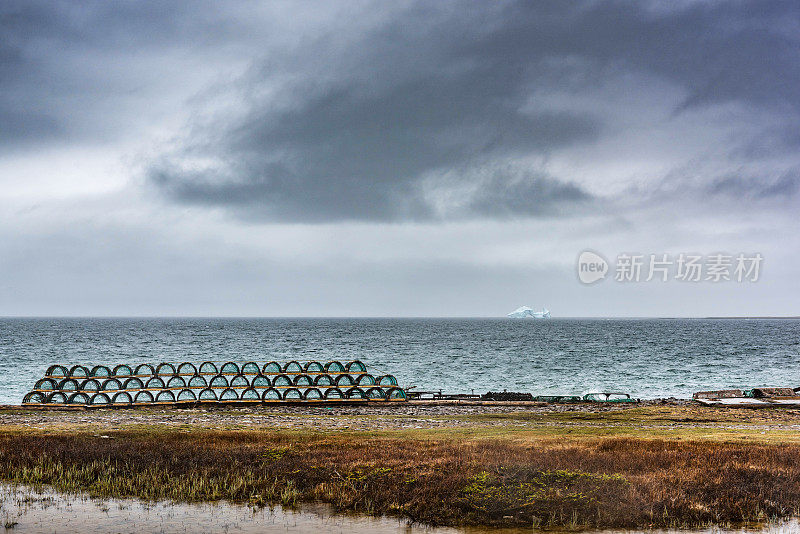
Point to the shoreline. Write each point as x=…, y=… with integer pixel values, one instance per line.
x=381, y=405
x=377, y=404
x=753, y=404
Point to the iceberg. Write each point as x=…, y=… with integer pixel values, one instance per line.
x=524, y=312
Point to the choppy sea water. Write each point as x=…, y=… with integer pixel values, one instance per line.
x=648, y=358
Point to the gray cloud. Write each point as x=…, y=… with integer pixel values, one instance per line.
x=22, y=127
x=784, y=186
x=339, y=164
x=359, y=148
x=78, y=72
x=370, y=118
x=532, y=129
x=392, y=113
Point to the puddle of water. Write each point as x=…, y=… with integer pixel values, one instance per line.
x=42, y=510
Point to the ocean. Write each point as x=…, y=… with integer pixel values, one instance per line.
x=647, y=358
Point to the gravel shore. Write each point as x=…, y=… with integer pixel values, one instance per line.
x=669, y=414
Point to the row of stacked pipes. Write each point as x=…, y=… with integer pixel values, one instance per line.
x=169, y=383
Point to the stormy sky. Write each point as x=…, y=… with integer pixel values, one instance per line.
x=359, y=158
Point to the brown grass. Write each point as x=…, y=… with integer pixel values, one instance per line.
x=617, y=482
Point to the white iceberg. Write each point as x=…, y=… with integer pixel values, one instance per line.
x=525, y=312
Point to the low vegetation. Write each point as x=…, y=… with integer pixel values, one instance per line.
x=604, y=482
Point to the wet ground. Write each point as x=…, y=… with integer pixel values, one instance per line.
x=41, y=510
x=26, y=509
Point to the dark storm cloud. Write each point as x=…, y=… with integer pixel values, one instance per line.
x=504, y=194
x=717, y=51
x=377, y=127
x=491, y=192
x=426, y=110
x=342, y=165
x=67, y=67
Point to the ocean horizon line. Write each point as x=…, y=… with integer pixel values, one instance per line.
x=403, y=317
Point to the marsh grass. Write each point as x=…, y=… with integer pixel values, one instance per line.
x=619, y=482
